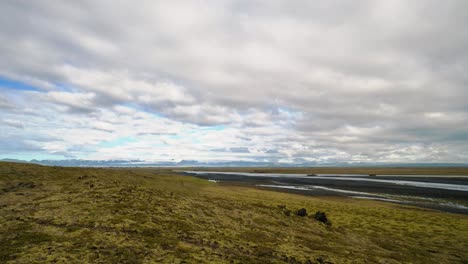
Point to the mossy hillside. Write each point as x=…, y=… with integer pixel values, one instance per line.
x=153, y=216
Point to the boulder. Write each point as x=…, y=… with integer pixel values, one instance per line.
x=322, y=217
x=301, y=212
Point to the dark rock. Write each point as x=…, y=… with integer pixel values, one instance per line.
x=312, y=174
x=372, y=175
x=301, y=212
x=322, y=217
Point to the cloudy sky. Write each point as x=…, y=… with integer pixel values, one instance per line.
x=278, y=81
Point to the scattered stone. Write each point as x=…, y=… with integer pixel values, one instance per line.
x=301, y=212
x=322, y=217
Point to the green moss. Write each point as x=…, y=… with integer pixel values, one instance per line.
x=17, y=238
x=153, y=216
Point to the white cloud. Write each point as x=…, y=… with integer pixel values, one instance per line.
x=318, y=81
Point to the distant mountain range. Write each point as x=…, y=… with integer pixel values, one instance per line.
x=194, y=163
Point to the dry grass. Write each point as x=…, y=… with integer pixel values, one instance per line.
x=76, y=215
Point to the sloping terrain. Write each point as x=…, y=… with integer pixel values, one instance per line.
x=81, y=215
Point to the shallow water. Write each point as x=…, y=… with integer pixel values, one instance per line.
x=349, y=177
x=439, y=192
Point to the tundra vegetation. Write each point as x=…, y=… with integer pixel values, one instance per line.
x=150, y=215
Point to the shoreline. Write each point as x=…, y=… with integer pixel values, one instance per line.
x=450, y=201
x=378, y=171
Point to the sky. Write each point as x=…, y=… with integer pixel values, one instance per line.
x=270, y=81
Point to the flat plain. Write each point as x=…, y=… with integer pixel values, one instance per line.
x=153, y=215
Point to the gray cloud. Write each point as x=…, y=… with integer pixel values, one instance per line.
x=349, y=80
x=5, y=104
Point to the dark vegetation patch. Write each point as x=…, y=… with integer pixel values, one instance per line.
x=18, y=186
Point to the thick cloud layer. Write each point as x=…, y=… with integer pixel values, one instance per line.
x=289, y=81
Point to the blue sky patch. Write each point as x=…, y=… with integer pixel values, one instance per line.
x=117, y=142
x=16, y=85
x=215, y=128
